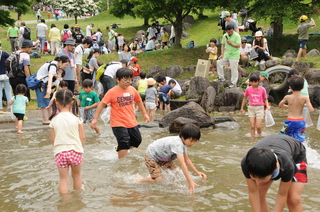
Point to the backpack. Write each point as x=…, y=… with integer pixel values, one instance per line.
x=95, y=45
x=101, y=42
x=65, y=35
x=32, y=82
x=100, y=72
x=11, y=66
x=26, y=33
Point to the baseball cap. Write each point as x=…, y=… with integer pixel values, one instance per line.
x=134, y=59
x=265, y=74
x=225, y=14
x=26, y=44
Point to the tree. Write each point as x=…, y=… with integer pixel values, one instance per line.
x=277, y=11
x=75, y=7
x=21, y=6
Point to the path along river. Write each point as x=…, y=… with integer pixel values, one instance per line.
x=29, y=178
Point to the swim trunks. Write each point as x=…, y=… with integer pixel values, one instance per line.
x=294, y=128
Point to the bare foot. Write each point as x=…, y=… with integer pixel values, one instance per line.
x=20, y=132
x=97, y=129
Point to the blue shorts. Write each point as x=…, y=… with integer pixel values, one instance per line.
x=41, y=92
x=302, y=44
x=163, y=97
x=295, y=128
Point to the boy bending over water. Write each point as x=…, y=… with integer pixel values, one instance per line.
x=162, y=152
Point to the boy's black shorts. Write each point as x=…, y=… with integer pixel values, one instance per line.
x=19, y=116
x=127, y=137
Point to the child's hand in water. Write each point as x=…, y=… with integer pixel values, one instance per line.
x=202, y=175
x=241, y=111
x=191, y=187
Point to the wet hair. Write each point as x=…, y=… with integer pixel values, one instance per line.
x=92, y=52
x=129, y=49
x=296, y=83
x=64, y=97
x=172, y=81
x=21, y=88
x=293, y=72
x=229, y=27
x=270, y=99
x=213, y=40
x=87, y=83
x=260, y=162
x=254, y=78
x=124, y=73
x=160, y=79
x=190, y=131
x=142, y=75
x=63, y=59
x=66, y=26
x=63, y=84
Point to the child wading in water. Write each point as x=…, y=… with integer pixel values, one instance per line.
x=258, y=99
x=67, y=133
x=162, y=152
x=19, y=103
x=151, y=98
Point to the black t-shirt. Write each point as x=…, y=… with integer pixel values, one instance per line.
x=289, y=152
x=79, y=38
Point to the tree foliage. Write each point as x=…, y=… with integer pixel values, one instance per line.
x=21, y=6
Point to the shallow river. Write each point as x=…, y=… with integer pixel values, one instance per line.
x=29, y=178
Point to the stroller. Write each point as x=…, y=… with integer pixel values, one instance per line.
x=251, y=25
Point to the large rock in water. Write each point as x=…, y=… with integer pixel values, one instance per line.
x=313, y=77
x=173, y=71
x=197, y=87
x=314, y=95
x=207, y=102
x=178, y=123
x=227, y=126
x=191, y=110
x=230, y=97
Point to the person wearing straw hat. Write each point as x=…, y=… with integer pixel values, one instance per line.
x=303, y=29
x=71, y=73
x=151, y=97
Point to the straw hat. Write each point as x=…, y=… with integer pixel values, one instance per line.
x=151, y=81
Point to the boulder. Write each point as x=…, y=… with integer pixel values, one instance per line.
x=230, y=97
x=277, y=78
x=227, y=108
x=207, y=102
x=185, y=87
x=262, y=67
x=186, y=26
x=243, y=72
x=197, y=87
x=190, y=110
x=189, y=19
x=287, y=62
x=178, y=123
x=227, y=75
x=313, y=77
x=173, y=71
x=313, y=53
x=156, y=71
x=220, y=86
x=139, y=34
x=290, y=54
x=220, y=119
x=191, y=68
x=271, y=63
x=185, y=35
x=314, y=95
x=227, y=126
x=302, y=67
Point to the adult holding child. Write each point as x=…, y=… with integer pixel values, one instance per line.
x=46, y=73
x=230, y=53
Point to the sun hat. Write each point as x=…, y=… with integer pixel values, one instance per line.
x=26, y=44
x=134, y=59
x=151, y=81
x=70, y=41
x=243, y=38
x=265, y=74
x=77, y=26
x=303, y=18
x=225, y=14
x=258, y=34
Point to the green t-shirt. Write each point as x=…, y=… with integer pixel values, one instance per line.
x=88, y=99
x=19, y=104
x=110, y=34
x=231, y=52
x=13, y=32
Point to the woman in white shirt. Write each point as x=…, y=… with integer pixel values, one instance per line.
x=245, y=49
x=261, y=46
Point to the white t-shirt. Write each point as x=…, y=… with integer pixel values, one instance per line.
x=78, y=59
x=152, y=32
x=21, y=29
x=43, y=73
x=42, y=29
x=166, y=149
x=111, y=70
x=66, y=129
x=246, y=49
x=172, y=34
x=88, y=30
x=98, y=36
x=176, y=88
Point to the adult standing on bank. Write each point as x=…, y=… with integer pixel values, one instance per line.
x=111, y=39
x=12, y=36
x=230, y=53
x=71, y=75
x=4, y=80
x=54, y=39
x=42, y=34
